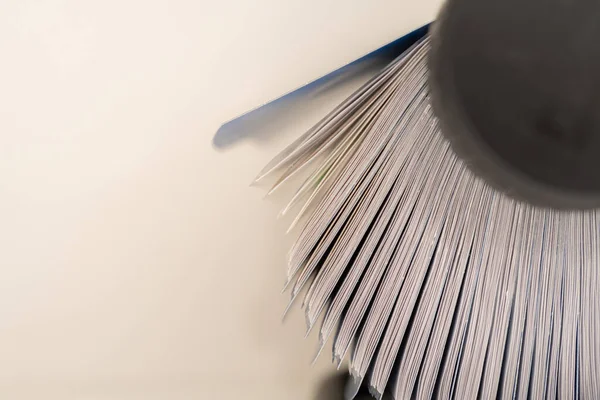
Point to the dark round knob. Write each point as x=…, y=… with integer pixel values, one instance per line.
x=516, y=85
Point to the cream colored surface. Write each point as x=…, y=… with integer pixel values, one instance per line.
x=135, y=261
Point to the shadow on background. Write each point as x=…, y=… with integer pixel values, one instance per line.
x=332, y=388
x=268, y=119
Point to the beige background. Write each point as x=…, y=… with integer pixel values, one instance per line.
x=135, y=261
